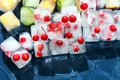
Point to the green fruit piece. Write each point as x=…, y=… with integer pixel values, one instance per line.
x=61, y=3
x=26, y=16
x=31, y=3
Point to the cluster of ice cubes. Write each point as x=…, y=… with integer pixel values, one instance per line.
x=100, y=25
x=62, y=33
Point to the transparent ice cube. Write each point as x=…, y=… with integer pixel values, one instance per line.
x=56, y=17
x=90, y=17
x=106, y=16
x=107, y=34
x=100, y=3
x=9, y=46
x=117, y=16
x=91, y=3
x=90, y=35
x=41, y=51
x=67, y=10
x=20, y=63
x=118, y=31
x=41, y=14
x=60, y=47
x=26, y=41
x=77, y=48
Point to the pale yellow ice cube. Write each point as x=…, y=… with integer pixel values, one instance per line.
x=7, y=5
x=9, y=20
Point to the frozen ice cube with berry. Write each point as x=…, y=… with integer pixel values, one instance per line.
x=26, y=41
x=21, y=58
x=10, y=45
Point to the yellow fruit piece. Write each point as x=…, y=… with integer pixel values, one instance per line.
x=7, y=5
x=112, y=4
x=9, y=20
x=47, y=4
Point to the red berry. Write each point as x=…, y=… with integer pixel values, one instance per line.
x=72, y=18
x=44, y=37
x=69, y=35
x=64, y=19
x=108, y=39
x=76, y=48
x=22, y=39
x=113, y=28
x=25, y=56
x=37, y=16
x=16, y=57
x=76, y=26
x=35, y=38
x=47, y=18
x=52, y=26
x=93, y=35
x=39, y=54
x=84, y=6
x=101, y=14
x=59, y=42
x=81, y=40
x=67, y=25
x=97, y=29
x=40, y=47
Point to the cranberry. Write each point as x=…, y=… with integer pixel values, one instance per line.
x=37, y=16
x=81, y=40
x=76, y=48
x=52, y=26
x=22, y=39
x=113, y=28
x=97, y=29
x=16, y=57
x=35, y=38
x=72, y=18
x=47, y=18
x=101, y=14
x=44, y=37
x=64, y=19
x=84, y=6
x=59, y=42
x=39, y=54
x=67, y=25
x=25, y=56
x=40, y=47
x=69, y=35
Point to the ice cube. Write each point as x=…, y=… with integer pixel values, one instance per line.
x=26, y=40
x=9, y=46
x=21, y=58
x=77, y=48
x=106, y=16
x=108, y=32
x=90, y=17
x=117, y=16
x=90, y=35
x=55, y=30
x=41, y=49
x=87, y=4
x=100, y=3
x=118, y=31
x=39, y=32
x=73, y=33
x=56, y=17
x=67, y=10
x=42, y=15
x=59, y=46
